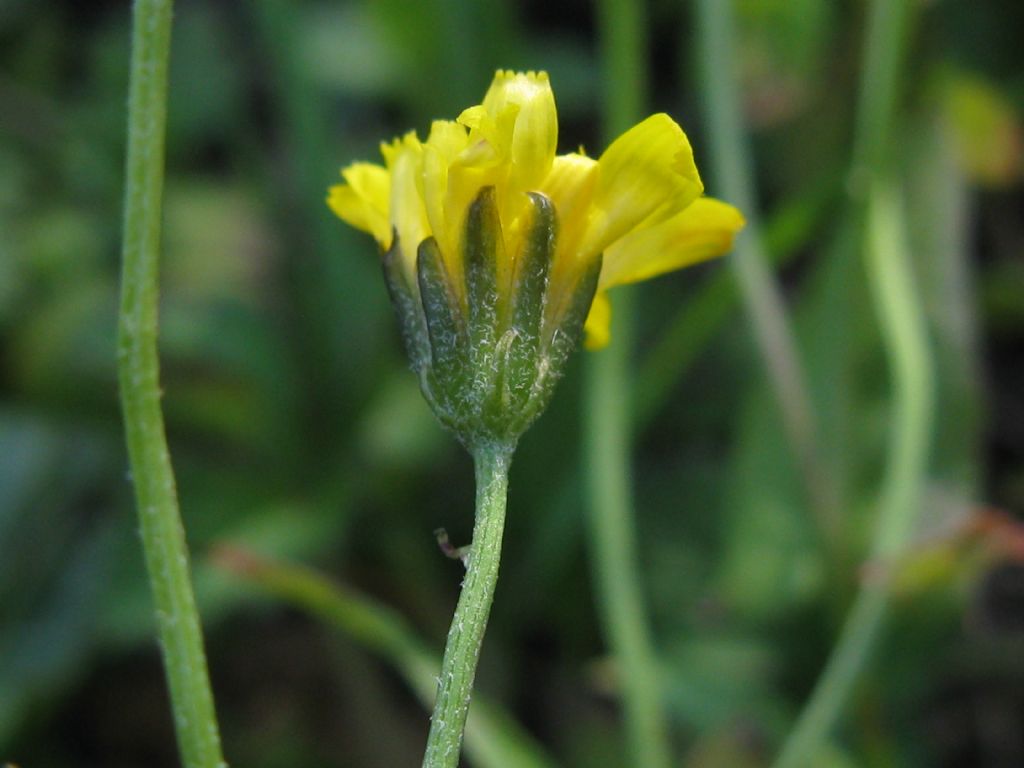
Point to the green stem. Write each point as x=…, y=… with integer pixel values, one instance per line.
x=608, y=430
x=462, y=651
x=884, y=53
x=493, y=739
x=614, y=552
x=163, y=537
x=732, y=164
x=903, y=330
x=622, y=29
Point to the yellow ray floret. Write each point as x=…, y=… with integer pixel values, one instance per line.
x=639, y=204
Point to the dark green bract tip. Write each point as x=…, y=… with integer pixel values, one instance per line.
x=488, y=366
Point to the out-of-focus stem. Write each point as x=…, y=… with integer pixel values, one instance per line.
x=732, y=168
x=163, y=536
x=875, y=202
x=903, y=326
x=607, y=434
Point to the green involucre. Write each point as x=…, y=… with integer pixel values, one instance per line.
x=488, y=364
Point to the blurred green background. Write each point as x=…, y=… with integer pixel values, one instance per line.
x=298, y=434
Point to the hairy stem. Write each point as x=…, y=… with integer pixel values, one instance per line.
x=163, y=536
x=462, y=651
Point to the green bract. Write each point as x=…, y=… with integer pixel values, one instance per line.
x=488, y=364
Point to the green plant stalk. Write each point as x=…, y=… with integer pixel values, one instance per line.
x=608, y=430
x=462, y=650
x=903, y=327
x=614, y=553
x=163, y=536
x=903, y=330
x=492, y=740
x=884, y=52
x=762, y=297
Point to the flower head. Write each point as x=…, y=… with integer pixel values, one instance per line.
x=497, y=252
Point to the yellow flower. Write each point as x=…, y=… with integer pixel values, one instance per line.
x=639, y=207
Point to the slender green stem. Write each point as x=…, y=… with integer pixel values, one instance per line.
x=903, y=329
x=163, y=536
x=493, y=738
x=732, y=165
x=458, y=666
x=884, y=53
x=608, y=429
x=623, y=33
x=614, y=554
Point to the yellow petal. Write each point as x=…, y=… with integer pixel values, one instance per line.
x=701, y=231
x=528, y=99
x=447, y=137
x=446, y=141
x=363, y=200
x=488, y=143
x=647, y=173
x=569, y=187
x=464, y=184
x=408, y=215
x=599, y=321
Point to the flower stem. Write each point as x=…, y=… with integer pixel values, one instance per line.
x=607, y=433
x=903, y=330
x=493, y=739
x=462, y=651
x=614, y=551
x=163, y=537
x=766, y=309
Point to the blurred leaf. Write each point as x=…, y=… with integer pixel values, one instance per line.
x=398, y=432
x=953, y=558
x=54, y=560
x=39, y=653
x=715, y=679
x=782, y=43
x=219, y=242
x=1002, y=286
x=346, y=51
x=733, y=747
x=769, y=563
x=64, y=351
x=205, y=100
x=988, y=131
